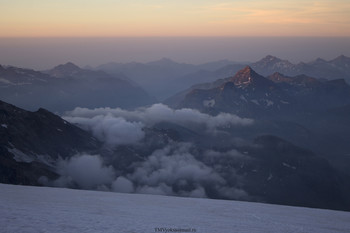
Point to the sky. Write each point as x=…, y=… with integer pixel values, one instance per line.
x=140, y=18
x=41, y=34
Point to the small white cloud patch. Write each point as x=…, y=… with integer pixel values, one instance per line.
x=85, y=171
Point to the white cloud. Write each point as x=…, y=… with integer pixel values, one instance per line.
x=111, y=130
x=173, y=170
x=85, y=171
x=118, y=126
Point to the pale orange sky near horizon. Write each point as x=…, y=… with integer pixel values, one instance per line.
x=139, y=18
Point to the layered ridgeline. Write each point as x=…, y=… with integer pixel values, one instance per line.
x=164, y=77
x=250, y=94
x=68, y=86
x=338, y=68
x=160, y=151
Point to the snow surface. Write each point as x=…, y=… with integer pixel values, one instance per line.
x=255, y=102
x=2, y=80
x=19, y=156
x=289, y=166
x=242, y=97
x=209, y=103
x=284, y=102
x=43, y=209
x=269, y=103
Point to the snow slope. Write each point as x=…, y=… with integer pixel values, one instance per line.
x=43, y=209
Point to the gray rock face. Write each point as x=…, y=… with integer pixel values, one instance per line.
x=30, y=143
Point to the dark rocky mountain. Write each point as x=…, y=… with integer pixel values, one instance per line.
x=31, y=142
x=202, y=79
x=12, y=76
x=26, y=88
x=72, y=71
x=248, y=78
x=250, y=94
x=338, y=68
x=312, y=92
x=285, y=173
x=276, y=171
x=246, y=94
x=68, y=86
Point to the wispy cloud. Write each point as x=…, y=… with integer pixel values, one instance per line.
x=287, y=18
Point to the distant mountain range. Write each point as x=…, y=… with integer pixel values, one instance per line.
x=67, y=86
x=337, y=68
x=165, y=77
x=161, y=77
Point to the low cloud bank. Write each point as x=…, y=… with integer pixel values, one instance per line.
x=118, y=126
x=172, y=170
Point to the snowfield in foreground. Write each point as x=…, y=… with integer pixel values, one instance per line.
x=43, y=209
